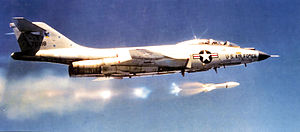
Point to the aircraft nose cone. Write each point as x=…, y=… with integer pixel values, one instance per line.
x=262, y=56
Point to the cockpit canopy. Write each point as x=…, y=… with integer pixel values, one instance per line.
x=208, y=42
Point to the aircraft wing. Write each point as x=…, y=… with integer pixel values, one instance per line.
x=145, y=54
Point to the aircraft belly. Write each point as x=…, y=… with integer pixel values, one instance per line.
x=120, y=71
x=128, y=69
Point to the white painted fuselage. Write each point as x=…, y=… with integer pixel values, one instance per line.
x=40, y=42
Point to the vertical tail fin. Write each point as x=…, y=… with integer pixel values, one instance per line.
x=35, y=36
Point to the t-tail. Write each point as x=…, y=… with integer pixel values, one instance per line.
x=35, y=36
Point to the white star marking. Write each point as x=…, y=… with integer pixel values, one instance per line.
x=205, y=56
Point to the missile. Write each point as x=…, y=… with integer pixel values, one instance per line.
x=212, y=86
x=192, y=88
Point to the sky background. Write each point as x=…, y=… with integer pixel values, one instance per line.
x=268, y=98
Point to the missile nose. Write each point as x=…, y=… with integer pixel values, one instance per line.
x=232, y=84
x=262, y=56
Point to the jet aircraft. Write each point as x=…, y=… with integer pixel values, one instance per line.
x=40, y=42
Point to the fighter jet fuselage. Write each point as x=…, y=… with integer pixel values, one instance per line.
x=40, y=42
